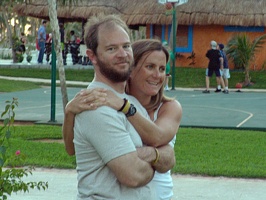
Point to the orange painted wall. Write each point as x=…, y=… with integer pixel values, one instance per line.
x=202, y=35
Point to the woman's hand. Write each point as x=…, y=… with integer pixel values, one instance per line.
x=113, y=100
x=91, y=99
x=87, y=99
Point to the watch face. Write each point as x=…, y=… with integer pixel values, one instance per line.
x=132, y=110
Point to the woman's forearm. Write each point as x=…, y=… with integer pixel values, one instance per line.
x=150, y=133
x=163, y=129
x=162, y=161
x=68, y=132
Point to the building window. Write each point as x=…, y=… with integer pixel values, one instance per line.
x=244, y=29
x=184, y=39
x=184, y=36
x=157, y=32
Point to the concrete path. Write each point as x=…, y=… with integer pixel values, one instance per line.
x=63, y=186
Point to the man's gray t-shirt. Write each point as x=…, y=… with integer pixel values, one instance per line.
x=100, y=136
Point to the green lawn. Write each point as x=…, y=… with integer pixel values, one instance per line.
x=185, y=77
x=213, y=152
x=13, y=86
x=217, y=152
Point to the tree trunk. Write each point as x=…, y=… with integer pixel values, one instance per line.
x=9, y=35
x=247, y=77
x=56, y=40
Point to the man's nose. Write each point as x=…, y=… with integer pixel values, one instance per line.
x=121, y=52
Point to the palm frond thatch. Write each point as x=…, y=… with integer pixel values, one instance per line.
x=139, y=12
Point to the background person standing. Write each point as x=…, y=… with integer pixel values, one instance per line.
x=48, y=47
x=41, y=40
x=23, y=40
x=215, y=63
x=74, y=47
x=225, y=75
x=62, y=41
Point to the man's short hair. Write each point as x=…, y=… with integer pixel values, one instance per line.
x=92, y=28
x=221, y=46
x=44, y=21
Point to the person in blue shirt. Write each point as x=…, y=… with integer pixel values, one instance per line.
x=41, y=40
x=225, y=74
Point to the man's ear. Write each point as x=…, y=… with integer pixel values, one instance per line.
x=91, y=56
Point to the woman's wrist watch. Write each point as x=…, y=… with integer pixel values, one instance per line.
x=131, y=111
x=128, y=109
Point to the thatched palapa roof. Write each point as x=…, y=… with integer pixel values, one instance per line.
x=142, y=12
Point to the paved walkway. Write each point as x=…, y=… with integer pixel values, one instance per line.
x=63, y=184
x=237, y=110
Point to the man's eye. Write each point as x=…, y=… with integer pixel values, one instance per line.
x=111, y=49
x=127, y=46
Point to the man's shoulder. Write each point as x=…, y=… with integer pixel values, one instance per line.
x=96, y=84
x=223, y=53
x=41, y=29
x=209, y=52
x=99, y=116
x=220, y=53
x=215, y=52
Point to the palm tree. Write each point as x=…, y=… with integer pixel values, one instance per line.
x=241, y=50
x=6, y=15
x=56, y=39
x=52, y=7
x=23, y=21
x=2, y=29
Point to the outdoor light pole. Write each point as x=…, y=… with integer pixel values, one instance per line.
x=53, y=70
x=173, y=4
x=53, y=84
x=173, y=45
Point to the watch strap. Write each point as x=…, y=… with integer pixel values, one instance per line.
x=125, y=102
x=126, y=107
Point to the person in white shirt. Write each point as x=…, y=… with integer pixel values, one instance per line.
x=108, y=149
x=146, y=84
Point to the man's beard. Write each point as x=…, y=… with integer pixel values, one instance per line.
x=112, y=74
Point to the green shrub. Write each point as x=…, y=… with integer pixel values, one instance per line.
x=11, y=178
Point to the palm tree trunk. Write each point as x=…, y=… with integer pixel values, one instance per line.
x=56, y=40
x=9, y=35
x=247, y=77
